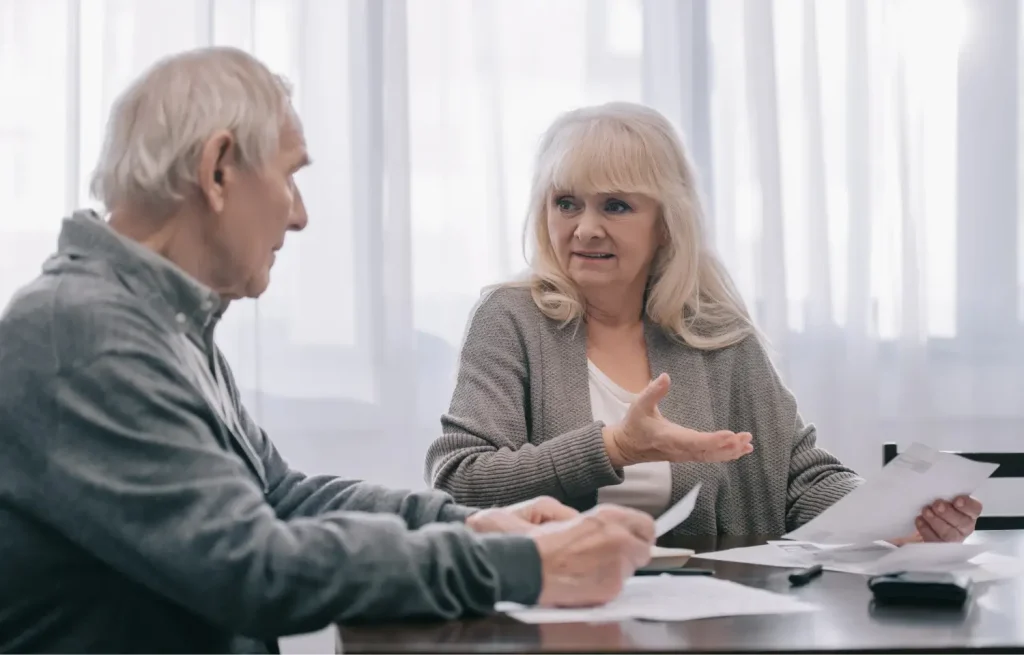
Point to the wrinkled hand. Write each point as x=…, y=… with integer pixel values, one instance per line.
x=647, y=436
x=945, y=521
x=585, y=561
x=521, y=517
x=949, y=521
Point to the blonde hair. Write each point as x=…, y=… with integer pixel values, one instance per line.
x=157, y=126
x=629, y=148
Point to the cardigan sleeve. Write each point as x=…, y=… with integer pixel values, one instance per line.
x=816, y=478
x=486, y=455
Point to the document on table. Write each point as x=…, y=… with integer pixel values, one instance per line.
x=871, y=559
x=668, y=598
x=881, y=557
x=885, y=506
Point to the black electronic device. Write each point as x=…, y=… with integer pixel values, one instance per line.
x=930, y=588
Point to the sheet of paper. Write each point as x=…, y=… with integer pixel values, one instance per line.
x=678, y=513
x=881, y=557
x=657, y=552
x=982, y=567
x=842, y=556
x=765, y=555
x=668, y=598
x=988, y=567
x=885, y=506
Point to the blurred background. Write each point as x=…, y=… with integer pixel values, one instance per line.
x=858, y=160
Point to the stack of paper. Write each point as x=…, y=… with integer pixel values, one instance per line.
x=668, y=598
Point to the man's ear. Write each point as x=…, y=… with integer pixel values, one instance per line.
x=217, y=167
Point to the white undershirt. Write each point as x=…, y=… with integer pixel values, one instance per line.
x=646, y=487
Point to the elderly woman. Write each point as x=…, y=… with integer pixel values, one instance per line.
x=555, y=396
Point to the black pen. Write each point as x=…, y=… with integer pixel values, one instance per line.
x=677, y=571
x=803, y=576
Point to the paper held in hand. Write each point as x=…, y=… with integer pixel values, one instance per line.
x=884, y=506
x=678, y=513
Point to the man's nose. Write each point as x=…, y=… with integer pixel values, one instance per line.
x=299, y=218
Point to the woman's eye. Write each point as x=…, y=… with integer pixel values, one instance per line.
x=565, y=204
x=617, y=207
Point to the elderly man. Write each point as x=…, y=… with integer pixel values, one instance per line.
x=141, y=508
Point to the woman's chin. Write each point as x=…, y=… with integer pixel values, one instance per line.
x=592, y=279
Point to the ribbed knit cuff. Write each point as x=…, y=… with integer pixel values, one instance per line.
x=581, y=461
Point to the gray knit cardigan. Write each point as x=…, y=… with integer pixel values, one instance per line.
x=520, y=425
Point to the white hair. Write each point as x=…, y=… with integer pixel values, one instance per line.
x=158, y=125
x=628, y=148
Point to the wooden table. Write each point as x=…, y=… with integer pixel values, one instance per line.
x=993, y=622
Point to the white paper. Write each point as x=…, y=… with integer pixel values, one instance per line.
x=657, y=552
x=765, y=555
x=881, y=557
x=678, y=513
x=668, y=598
x=990, y=566
x=885, y=506
x=927, y=557
x=878, y=558
x=835, y=557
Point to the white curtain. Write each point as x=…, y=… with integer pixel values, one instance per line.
x=858, y=157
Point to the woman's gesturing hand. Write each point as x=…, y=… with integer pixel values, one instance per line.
x=644, y=435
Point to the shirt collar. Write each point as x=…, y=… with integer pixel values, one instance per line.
x=193, y=304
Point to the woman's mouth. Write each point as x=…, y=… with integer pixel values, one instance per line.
x=594, y=255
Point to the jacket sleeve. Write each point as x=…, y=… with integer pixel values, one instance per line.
x=135, y=475
x=486, y=455
x=294, y=494
x=816, y=478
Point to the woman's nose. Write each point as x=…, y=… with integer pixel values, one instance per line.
x=590, y=226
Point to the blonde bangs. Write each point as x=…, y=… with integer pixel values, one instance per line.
x=601, y=155
x=629, y=148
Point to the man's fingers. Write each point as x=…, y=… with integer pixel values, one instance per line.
x=639, y=552
x=634, y=552
x=639, y=524
x=652, y=395
x=546, y=508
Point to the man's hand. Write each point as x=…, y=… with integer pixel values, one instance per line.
x=543, y=509
x=521, y=517
x=586, y=560
x=945, y=521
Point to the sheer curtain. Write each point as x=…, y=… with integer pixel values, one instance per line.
x=864, y=189
x=858, y=161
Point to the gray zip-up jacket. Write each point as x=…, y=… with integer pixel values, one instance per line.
x=142, y=510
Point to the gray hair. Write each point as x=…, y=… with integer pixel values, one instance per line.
x=158, y=125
